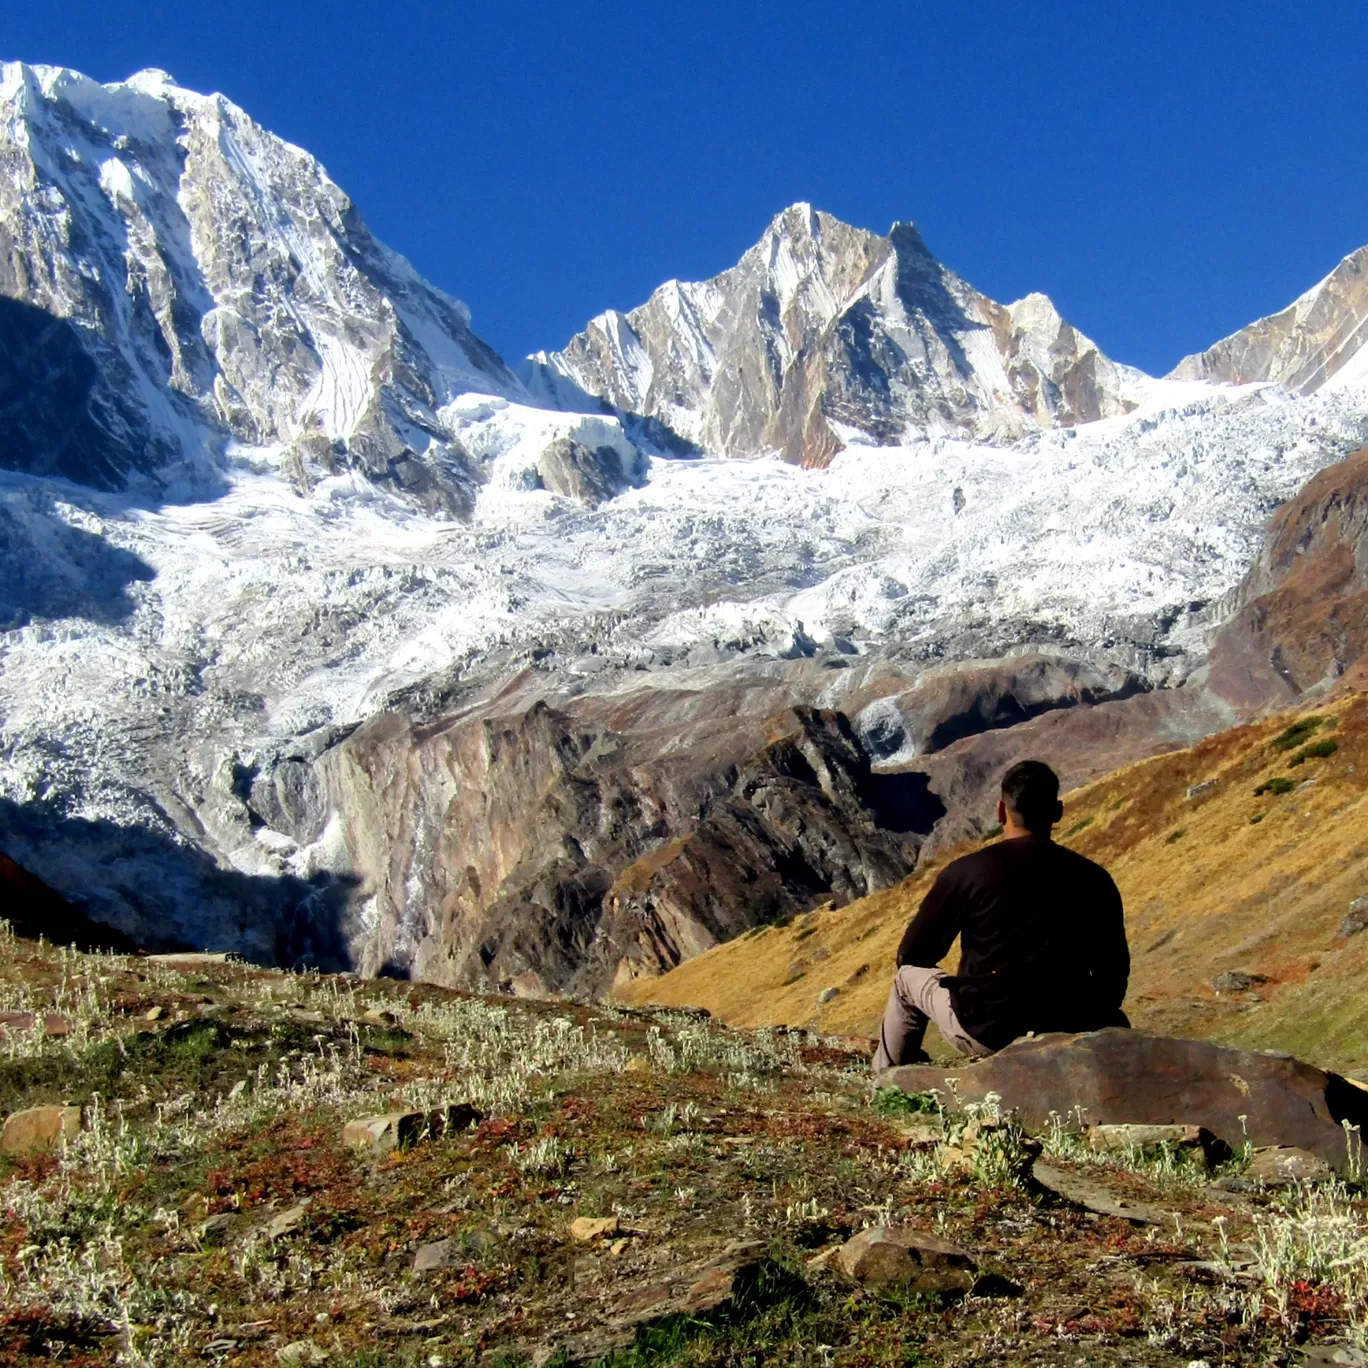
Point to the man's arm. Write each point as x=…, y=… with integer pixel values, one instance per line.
x=932, y=932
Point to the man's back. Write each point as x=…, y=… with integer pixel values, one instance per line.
x=1043, y=941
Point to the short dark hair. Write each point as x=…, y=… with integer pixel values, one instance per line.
x=1031, y=791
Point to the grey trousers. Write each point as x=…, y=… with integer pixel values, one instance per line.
x=919, y=996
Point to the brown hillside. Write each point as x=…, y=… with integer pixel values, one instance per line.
x=1214, y=878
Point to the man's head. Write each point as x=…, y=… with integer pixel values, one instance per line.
x=1030, y=798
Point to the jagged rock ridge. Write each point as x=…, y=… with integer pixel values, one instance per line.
x=825, y=334
x=1321, y=336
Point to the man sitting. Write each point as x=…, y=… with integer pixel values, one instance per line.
x=1042, y=939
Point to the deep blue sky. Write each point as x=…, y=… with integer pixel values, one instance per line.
x=1167, y=172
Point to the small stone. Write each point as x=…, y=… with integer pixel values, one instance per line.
x=885, y=1255
x=301, y=1354
x=288, y=1221
x=1237, y=981
x=585, y=1228
x=216, y=1227
x=637, y=1064
x=1357, y=919
x=380, y=1016
x=1206, y=786
x=1195, y=1139
x=1283, y=1165
x=396, y=1130
x=1094, y=1196
x=618, y=1246
x=154, y=1013
x=827, y=994
x=39, y=1129
x=438, y=1254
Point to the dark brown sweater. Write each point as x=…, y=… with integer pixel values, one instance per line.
x=1042, y=940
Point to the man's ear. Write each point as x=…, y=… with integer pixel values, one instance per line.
x=1058, y=813
x=1002, y=813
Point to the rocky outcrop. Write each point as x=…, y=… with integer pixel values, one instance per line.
x=950, y=702
x=561, y=847
x=1299, y=619
x=172, y=276
x=34, y=910
x=825, y=334
x=1314, y=339
x=1125, y=1077
x=569, y=468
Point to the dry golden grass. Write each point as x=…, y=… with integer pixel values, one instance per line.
x=1207, y=888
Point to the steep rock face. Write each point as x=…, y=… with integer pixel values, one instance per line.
x=824, y=334
x=1318, y=337
x=1299, y=618
x=564, y=847
x=172, y=276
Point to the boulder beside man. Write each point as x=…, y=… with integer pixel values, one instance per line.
x=1042, y=939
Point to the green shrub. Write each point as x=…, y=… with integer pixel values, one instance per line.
x=1257, y=818
x=1317, y=750
x=991, y=834
x=1303, y=729
x=1278, y=784
x=893, y=1102
x=1175, y=836
x=1078, y=826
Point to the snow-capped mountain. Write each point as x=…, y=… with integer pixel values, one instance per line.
x=175, y=277
x=824, y=335
x=326, y=637
x=1319, y=339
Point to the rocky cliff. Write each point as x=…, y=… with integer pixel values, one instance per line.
x=824, y=334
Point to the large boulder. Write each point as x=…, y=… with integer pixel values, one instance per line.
x=1120, y=1077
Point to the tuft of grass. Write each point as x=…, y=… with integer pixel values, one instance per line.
x=1078, y=826
x=1257, y=818
x=1303, y=729
x=1174, y=836
x=991, y=834
x=1317, y=750
x=1278, y=784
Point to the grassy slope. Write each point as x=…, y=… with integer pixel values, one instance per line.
x=1206, y=889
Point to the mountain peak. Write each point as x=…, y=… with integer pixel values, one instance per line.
x=1320, y=338
x=825, y=333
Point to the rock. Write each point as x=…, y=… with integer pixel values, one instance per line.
x=301, y=1354
x=1357, y=918
x=1095, y=1196
x=826, y=995
x=379, y=1016
x=885, y=1255
x=1206, y=786
x=1121, y=1077
x=154, y=1013
x=585, y=1228
x=1332, y=1356
x=52, y=1023
x=573, y=470
x=287, y=1222
x=438, y=1254
x=216, y=1227
x=1195, y=1139
x=1283, y=1165
x=397, y=1130
x=1237, y=981
x=39, y=1130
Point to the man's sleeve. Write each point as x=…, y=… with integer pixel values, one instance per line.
x=932, y=932
x=1111, y=969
